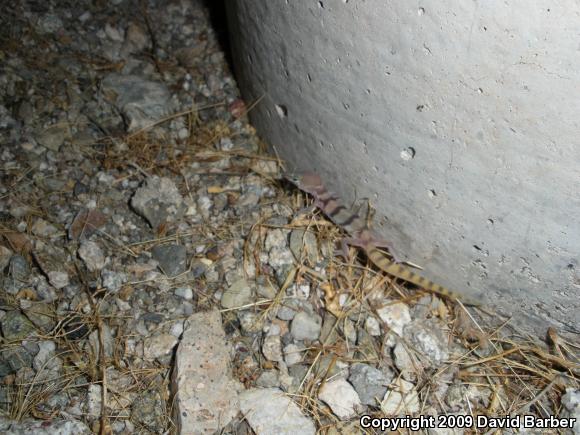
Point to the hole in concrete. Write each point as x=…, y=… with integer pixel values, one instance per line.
x=408, y=153
x=432, y=193
x=309, y=77
x=321, y=5
x=420, y=108
x=490, y=221
x=477, y=248
x=368, y=91
x=421, y=11
x=281, y=110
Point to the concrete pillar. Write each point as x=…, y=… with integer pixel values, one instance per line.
x=460, y=120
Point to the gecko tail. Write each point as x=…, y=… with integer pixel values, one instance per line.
x=404, y=273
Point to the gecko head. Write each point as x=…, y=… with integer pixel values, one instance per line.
x=307, y=181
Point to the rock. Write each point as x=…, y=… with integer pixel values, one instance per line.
x=15, y=326
x=329, y=367
x=270, y=411
x=158, y=201
x=107, y=339
x=158, y=345
x=49, y=23
x=272, y=348
x=400, y=399
x=237, y=295
x=571, y=403
x=184, y=292
x=341, y=397
x=43, y=427
x=136, y=39
x=46, y=359
x=5, y=256
x=86, y=223
x=279, y=255
x=266, y=291
x=372, y=326
x=148, y=410
x=303, y=244
x=92, y=255
x=54, y=136
x=250, y=321
x=113, y=281
x=292, y=354
x=395, y=316
x=58, y=278
x=365, y=347
x=288, y=310
x=42, y=316
x=267, y=379
x=15, y=358
x=429, y=339
x=172, y=259
x=19, y=268
x=142, y=102
x=206, y=397
x=446, y=430
x=42, y=228
x=405, y=363
x=370, y=383
x=93, y=401
x=306, y=326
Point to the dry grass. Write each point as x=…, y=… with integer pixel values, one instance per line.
x=517, y=374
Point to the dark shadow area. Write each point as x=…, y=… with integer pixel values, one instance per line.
x=219, y=21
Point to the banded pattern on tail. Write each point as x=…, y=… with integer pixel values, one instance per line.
x=363, y=237
x=406, y=274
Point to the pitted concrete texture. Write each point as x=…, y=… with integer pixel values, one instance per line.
x=458, y=120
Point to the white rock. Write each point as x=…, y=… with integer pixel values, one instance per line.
x=341, y=397
x=94, y=400
x=404, y=362
x=184, y=292
x=206, y=395
x=270, y=411
x=158, y=345
x=400, y=399
x=46, y=359
x=395, y=316
x=373, y=326
x=92, y=255
x=58, y=279
x=43, y=427
x=272, y=348
x=292, y=354
x=306, y=326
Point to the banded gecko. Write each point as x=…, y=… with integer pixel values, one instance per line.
x=364, y=238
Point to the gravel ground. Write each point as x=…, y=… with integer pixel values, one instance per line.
x=159, y=276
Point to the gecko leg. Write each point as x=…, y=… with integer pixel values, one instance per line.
x=343, y=251
x=382, y=243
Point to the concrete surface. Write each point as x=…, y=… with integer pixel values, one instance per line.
x=459, y=120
